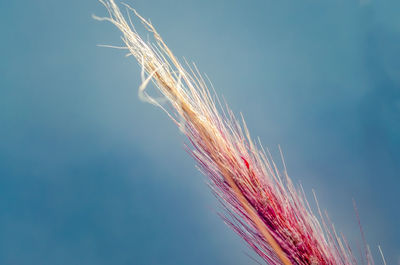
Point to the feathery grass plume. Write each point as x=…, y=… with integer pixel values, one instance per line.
x=263, y=206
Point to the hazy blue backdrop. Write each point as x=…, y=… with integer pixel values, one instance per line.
x=91, y=175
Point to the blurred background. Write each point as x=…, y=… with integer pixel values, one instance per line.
x=91, y=175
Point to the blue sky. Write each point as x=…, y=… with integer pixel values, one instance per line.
x=91, y=175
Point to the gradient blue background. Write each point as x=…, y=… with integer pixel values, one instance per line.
x=91, y=175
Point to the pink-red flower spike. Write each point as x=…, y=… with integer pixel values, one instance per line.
x=262, y=205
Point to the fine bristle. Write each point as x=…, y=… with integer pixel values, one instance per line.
x=263, y=206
